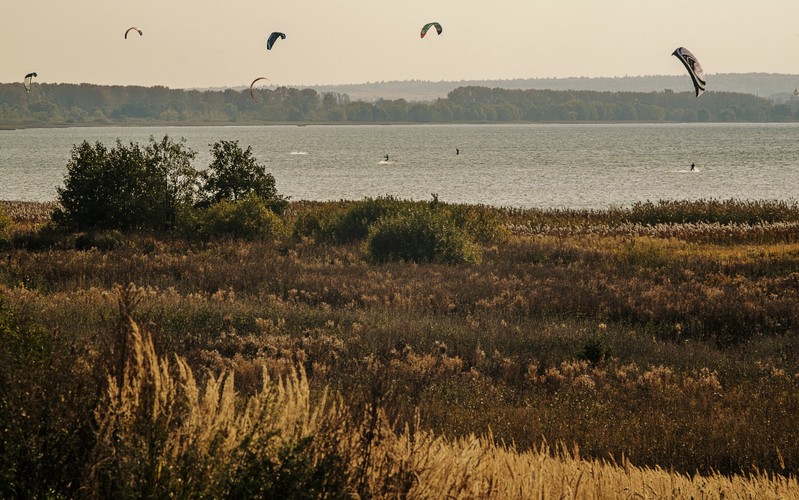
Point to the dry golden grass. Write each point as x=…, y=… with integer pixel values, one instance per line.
x=161, y=434
x=673, y=345
x=535, y=301
x=28, y=211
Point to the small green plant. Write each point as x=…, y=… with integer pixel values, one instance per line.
x=594, y=349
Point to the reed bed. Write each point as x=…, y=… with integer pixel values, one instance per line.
x=161, y=433
x=28, y=211
x=666, y=348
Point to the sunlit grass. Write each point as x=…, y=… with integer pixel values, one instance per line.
x=671, y=345
x=162, y=433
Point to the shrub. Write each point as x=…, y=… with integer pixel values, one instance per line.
x=420, y=235
x=46, y=237
x=483, y=223
x=306, y=217
x=45, y=408
x=249, y=218
x=103, y=240
x=353, y=224
x=308, y=224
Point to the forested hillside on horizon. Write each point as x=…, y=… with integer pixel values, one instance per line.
x=87, y=104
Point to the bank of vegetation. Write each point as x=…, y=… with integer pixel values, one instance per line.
x=86, y=104
x=252, y=345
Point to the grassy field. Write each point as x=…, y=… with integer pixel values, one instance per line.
x=659, y=341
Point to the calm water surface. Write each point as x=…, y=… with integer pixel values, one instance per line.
x=575, y=166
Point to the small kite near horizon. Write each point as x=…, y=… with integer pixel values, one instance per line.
x=28, y=81
x=427, y=26
x=253, y=83
x=132, y=28
x=694, y=68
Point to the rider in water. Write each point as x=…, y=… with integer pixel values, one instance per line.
x=386, y=158
x=693, y=166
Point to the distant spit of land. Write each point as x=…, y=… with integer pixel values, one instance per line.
x=774, y=86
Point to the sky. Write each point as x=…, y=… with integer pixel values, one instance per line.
x=216, y=43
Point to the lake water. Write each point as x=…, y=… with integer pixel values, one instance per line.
x=566, y=166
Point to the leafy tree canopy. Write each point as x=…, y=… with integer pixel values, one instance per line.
x=234, y=174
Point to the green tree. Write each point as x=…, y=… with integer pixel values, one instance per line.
x=781, y=112
x=337, y=115
x=102, y=188
x=753, y=114
x=126, y=187
x=176, y=180
x=420, y=112
x=234, y=174
x=359, y=112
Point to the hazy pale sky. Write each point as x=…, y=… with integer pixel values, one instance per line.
x=215, y=43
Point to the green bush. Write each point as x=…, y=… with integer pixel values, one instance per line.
x=249, y=218
x=420, y=235
x=353, y=224
x=46, y=237
x=103, y=240
x=594, y=349
x=308, y=224
x=338, y=224
x=484, y=224
x=46, y=404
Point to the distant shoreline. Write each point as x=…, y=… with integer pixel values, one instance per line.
x=55, y=106
x=29, y=126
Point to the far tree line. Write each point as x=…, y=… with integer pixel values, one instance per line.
x=67, y=104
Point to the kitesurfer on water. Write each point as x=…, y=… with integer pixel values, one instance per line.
x=693, y=166
x=386, y=158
